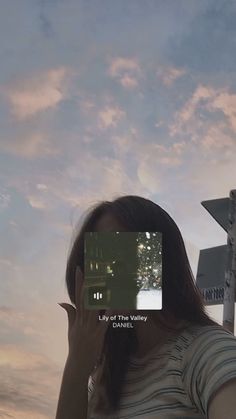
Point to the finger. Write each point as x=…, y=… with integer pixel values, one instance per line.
x=92, y=318
x=78, y=285
x=108, y=313
x=103, y=325
x=71, y=312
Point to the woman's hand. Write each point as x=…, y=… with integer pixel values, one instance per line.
x=85, y=332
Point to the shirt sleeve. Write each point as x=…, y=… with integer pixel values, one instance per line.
x=208, y=362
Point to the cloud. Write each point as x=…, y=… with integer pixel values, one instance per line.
x=215, y=175
x=87, y=176
x=184, y=116
x=128, y=82
x=91, y=178
x=216, y=139
x=31, y=145
x=39, y=198
x=148, y=178
x=168, y=75
x=29, y=384
x=21, y=224
x=110, y=117
x=38, y=202
x=5, y=199
x=41, y=187
x=208, y=118
x=118, y=65
x=23, y=325
x=4, y=262
x=38, y=93
x=105, y=175
x=19, y=358
x=226, y=102
x=86, y=105
x=126, y=71
x=159, y=158
x=5, y=415
x=122, y=144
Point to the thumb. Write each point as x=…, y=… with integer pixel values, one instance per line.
x=71, y=312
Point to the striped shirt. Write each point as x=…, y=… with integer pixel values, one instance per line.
x=177, y=380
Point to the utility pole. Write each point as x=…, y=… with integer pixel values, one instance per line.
x=230, y=274
x=216, y=274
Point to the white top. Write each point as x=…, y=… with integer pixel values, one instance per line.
x=178, y=379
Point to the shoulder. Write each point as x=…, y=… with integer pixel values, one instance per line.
x=192, y=335
x=208, y=362
x=206, y=339
x=204, y=345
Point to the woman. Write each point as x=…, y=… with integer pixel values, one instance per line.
x=177, y=364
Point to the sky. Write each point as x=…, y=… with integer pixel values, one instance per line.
x=100, y=99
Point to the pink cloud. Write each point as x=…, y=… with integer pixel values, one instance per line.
x=19, y=358
x=29, y=146
x=226, y=102
x=122, y=144
x=158, y=159
x=38, y=93
x=201, y=96
x=38, y=202
x=215, y=178
x=215, y=138
x=5, y=199
x=126, y=71
x=110, y=117
x=204, y=98
x=168, y=75
x=29, y=384
x=41, y=187
x=120, y=64
x=128, y=82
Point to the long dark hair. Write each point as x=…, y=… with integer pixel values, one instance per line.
x=181, y=298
